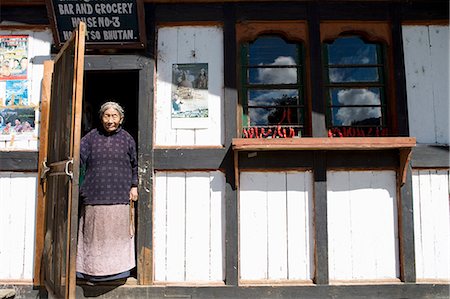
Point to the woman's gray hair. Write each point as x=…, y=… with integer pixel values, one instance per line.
x=113, y=105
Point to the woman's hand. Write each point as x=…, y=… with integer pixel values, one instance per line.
x=133, y=194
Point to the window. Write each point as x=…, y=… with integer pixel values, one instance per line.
x=355, y=88
x=273, y=92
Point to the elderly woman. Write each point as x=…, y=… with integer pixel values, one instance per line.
x=106, y=232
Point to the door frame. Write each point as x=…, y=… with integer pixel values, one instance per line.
x=144, y=231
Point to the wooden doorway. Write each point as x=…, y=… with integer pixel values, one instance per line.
x=119, y=86
x=128, y=79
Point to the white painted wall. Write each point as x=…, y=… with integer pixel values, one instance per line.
x=178, y=45
x=17, y=220
x=362, y=225
x=189, y=227
x=431, y=224
x=39, y=43
x=275, y=226
x=427, y=51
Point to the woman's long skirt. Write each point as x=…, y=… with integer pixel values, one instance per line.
x=105, y=242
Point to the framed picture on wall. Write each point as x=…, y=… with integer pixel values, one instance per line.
x=189, y=96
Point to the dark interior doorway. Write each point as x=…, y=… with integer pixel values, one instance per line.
x=118, y=86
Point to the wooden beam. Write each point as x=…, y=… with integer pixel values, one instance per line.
x=323, y=143
x=38, y=278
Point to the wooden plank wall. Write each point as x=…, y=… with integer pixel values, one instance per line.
x=431, y=224
x=38, y=50
x=362, y=225
x=427, y=51
x=275, y=226
x=17, y=214
x=189, y=227
x=189, y=44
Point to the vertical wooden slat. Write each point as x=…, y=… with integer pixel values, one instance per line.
x=439, y=49
x=230, y=128
x=299, y=221
x=43, y=139
x=315, y=51
x=77, y=102
x=217, y=226
x=406, y=230
x=419, y=83
x=339, y=227
x=160, y=226
x=5, y=193
x=440, y=190
x=253, y=226
x=197, y=226
x=144, y=231
x=431, y=218
x=176, y=227
x=320, y=219
x=276, y=226
x=398, y=62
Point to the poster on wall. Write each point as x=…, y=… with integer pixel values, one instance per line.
x=17, y=113
x=13, y=57
x=190, y=96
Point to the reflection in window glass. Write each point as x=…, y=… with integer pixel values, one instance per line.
x=275, y=97
x=273, y=116
x=352, y=50
x=357, y=116
x=355, y=87
x=357, y=97
x=272, y=75
x=272, y=50
x=366, y=74
x=272, y=94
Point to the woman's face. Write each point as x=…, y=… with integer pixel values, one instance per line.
x=111, y=120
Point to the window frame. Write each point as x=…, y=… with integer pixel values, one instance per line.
x=370, y=32
x=291, y=32
x=299, y=85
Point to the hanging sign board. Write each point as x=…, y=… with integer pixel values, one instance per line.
x=110, y=24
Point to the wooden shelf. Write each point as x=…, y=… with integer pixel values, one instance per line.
x=402, y=144
x=324, y=143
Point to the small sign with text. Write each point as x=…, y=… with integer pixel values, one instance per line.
x=112, y=22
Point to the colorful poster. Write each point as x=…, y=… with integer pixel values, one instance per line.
x=16, y=94
x=13, y=57
x=190, y=96
x=17, y=121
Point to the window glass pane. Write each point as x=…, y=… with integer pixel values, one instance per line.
x=355, y=96
x=270, y=50
x=352, y=50
x=277, y=97
x=366, y=74
x=272, y=76
x=358, y=116
x=273, y=116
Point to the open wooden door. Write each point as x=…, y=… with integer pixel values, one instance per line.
x=60, y=171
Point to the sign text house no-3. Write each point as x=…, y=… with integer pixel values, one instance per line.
x=112, y=23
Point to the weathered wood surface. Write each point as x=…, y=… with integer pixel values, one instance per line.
x=43, y=146
x=17, y=212
x=275, y=220
x=431, y=224
x=426, y=64
x=189, y=44
x=362, y=225
x=189, y=227
x=324, y=143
